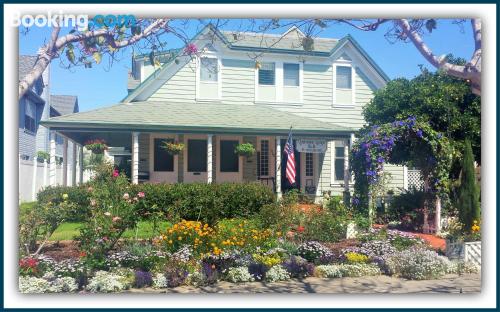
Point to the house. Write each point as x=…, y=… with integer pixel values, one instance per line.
x=225, y=88
x=33, y=108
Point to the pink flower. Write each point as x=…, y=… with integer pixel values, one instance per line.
x=90, y=189
x=191, y=49
x=135, y=199
x=92, y=202
x=290, y=234
x=105, y=238
x=116, y=219
x=126, y=196
x=141, y=194
x=115, y=173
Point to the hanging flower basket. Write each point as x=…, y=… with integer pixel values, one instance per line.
x=96, y=146
x=245, y=149
x=173, y=148
x=308, y=43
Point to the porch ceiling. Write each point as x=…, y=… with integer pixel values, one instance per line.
x=191, y=118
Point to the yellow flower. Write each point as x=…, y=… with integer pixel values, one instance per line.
x=170, y=242
x=179, y=238
x=65, y=196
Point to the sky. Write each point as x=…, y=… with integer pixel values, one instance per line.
x=104, y=85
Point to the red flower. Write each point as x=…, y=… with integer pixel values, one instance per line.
x=115, y=173
x=300, y=229
x=82, y=254
x=191, y=49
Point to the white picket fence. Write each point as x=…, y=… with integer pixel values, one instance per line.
x=31, y=181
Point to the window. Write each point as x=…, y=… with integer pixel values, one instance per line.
x=267, y=74
x=209, y=69
x=291, y=74
x=344, y=77
x=309, y=165
x=30, y=116
x=197, y=156
x=339, y=160
x=264, y=158
x=163, y=161
x=229, y=160
x=59, y=139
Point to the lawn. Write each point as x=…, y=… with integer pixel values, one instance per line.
x=69, y=230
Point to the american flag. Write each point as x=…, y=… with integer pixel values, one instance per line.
x=290, y=162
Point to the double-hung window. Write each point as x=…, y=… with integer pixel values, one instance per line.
x=30, y=116
x=267, y=74
x=344, y=77
x=264, y=158
x=209, y=69
x=291, y=74
x=339, y=160
x=344, y=89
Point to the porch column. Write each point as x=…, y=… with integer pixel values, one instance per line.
x=346, y=166
x=52, y=164
x=80, y=163
x=73, y=164
x=135, y=157
x=65, y=162
x=278, y=167
x=437, y=217
x=209, y=158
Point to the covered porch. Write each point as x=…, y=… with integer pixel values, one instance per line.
x=136, y=132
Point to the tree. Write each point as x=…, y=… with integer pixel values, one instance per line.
x=446, y=102
x=468, y=195
x=412, y=30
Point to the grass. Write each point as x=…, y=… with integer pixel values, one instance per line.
x=68, y=231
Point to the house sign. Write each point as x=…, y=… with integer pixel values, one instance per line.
x=311, y=146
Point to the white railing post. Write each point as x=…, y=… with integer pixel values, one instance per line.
x=135, y=157
x=80, y=163
x=405, y=177
x=73, y=163
x=65, y=162
x=209, y=158
x=52, y=165
x=278, y=167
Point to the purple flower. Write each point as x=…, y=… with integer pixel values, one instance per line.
x=420, y=134
x=370, y=173
x=380, y=159
x=375, y=142
x=191, y=49
x=355, y=201
x=400, y=123
x=439, y=135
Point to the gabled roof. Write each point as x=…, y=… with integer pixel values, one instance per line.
x=267, y=43
x=26, y=64
x=64, y=104
x=195, y=118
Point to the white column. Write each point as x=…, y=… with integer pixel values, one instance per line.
x=135, y=157
x=65, y=162
x=45, y=174
x=209, y=158
x=73, y=164
x=278, y=167
x=80, y=163
x=52, y=164
x=346, y=166
x=35, y=171
x=437, y=220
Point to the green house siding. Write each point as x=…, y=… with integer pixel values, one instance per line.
x=180, y=88
x=238, y=81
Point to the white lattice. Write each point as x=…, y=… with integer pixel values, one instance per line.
x=415, y=179
x=473, y=252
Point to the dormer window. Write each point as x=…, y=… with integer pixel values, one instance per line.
x=344, y=93
x=344, y=77
x=209, y=71
x=291, y=74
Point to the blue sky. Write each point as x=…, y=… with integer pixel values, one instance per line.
x=104, y=85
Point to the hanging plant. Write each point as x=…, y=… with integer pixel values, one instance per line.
x=97, y=146
x=42, y=156
x=173, y=148
x=245, y=149
x=258, y=65
x=308, y=43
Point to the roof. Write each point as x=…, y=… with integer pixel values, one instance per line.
x=193, y=118
x=64, y=104
x=26, y=64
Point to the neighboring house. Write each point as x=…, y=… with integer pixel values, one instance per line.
x=245, y=87
x=61, y=105
x=33, y=108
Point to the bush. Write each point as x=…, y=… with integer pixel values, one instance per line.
x=48, y=284
x=417, y=264
x=107, y=282
x=406, y=208
x=313, y=251
x=327, y=271
x=277, y=273
x=298, y=267
x=143, y=279
x=77, y=195
x=324, y=226
x=468, y=195
x=354, y=257
x=239, y=275
x=358, y=270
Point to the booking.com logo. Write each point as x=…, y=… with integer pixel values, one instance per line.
x=81, y=21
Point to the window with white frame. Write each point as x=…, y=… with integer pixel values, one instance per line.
x=267, y=74
x=309, y=165
x=344, y=77
x=339, y=161
x=291, y=75
x=264, y=158
x=209, y=69
x=30, y=116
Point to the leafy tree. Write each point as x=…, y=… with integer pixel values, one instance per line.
x=468, y=195
x=447, y=103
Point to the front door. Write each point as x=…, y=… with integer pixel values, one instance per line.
x=285, y=184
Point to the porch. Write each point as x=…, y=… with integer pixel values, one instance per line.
x=210, y=133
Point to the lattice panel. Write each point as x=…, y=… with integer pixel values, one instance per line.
x=473, y=252
x=415, y=179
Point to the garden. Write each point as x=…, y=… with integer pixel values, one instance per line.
x=109, y=235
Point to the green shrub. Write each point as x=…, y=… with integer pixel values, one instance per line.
x=406, y=208
x=77, y=195
x=468, y=195
x=324, y=226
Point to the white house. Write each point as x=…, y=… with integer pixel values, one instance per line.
x=241, y=87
